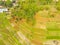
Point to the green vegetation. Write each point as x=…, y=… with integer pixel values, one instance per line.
x=14, y=30
x=6, y=3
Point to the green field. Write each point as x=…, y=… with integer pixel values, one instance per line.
x=29, y=22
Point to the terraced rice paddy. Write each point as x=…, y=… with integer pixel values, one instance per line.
x=30, y=22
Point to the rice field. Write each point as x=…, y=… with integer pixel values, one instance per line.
x=30, y=22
